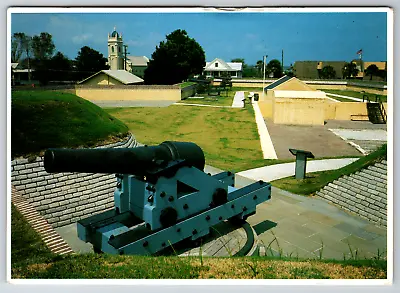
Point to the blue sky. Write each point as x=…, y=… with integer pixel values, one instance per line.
x=302, y=36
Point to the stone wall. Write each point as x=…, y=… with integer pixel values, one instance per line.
x=363, y=193
x=64, y=198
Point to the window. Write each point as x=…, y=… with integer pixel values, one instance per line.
x=216, y=64
x=112, y=49
x=119, y=49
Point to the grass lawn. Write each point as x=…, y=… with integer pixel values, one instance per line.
x=224, y=99
x=186, y=83
x=353, y=94
x=31, y=259
x=317, y=180
x=43, y=119
x=228, y=137
x=247, y=89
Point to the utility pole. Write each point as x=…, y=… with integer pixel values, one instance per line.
x=264, y=61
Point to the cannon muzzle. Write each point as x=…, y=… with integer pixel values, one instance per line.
x=136, y=161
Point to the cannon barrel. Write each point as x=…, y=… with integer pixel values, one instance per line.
x=136, y=161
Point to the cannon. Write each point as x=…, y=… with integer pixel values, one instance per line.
x=162, y=196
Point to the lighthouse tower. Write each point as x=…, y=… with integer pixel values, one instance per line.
x=115, y=51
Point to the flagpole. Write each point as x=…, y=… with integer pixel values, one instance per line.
x=264, y=57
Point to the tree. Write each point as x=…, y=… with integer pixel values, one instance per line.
x=21, y=43
x=43, y=46
x=274, y=66
x=174, y=60
x=60, y=67
x=328, y=72
x=17, y=46
x=372, y=70
x=259, y=66
x=349, y=70
x=238, y=60
x=226, y=81
x=290, y=72
x=89, y=61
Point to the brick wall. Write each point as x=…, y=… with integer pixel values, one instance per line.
x=363, y=193
x=64, y=198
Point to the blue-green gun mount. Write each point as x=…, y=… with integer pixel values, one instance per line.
x=162, y=196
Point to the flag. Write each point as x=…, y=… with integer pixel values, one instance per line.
x=359, y=52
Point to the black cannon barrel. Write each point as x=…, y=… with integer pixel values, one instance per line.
x=135, y=161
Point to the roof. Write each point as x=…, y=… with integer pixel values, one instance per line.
x=235, y=65
x=225, y=66
x=121, y=75
x=278, y=82
x=114, y=34
x=138, y=60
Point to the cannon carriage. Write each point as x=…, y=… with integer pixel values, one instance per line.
x=162, y=196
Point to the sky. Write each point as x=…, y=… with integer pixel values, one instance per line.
x=319, y=36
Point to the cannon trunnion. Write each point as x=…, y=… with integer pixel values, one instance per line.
x=162, y=196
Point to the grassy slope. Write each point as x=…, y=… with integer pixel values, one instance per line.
x=43, y=119
x=315, y=181
x=354, y=94
x=32, y=260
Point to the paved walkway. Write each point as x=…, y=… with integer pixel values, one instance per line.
x=238, y=100
x=274, y=172
x=310, y=227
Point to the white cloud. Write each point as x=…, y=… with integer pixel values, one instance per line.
x=79, y=39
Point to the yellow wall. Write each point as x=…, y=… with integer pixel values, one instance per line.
x=344, y=110
x=299, y=111
x=266, y=108
x=328, y=86
x=380, y=64
x=248, y=84
x=131, y=93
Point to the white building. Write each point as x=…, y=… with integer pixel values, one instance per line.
x=218, y=66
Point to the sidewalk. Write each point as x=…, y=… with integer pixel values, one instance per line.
x=238, y=100
x=309, y=227
x=274, y=172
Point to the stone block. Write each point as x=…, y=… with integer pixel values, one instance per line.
x=54, y=204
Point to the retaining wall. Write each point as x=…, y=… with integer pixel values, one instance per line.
x=129, y=93
x=363, y=193
x=64, y=198
x=188, y=91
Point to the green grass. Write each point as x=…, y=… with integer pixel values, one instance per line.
x=353, y=94
x=228, y=137
x=247, y=89
x=43, y=119
x=317, y=180
x=31, y=259
x=26, y=245
x=224, y=99
x=186, y=84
